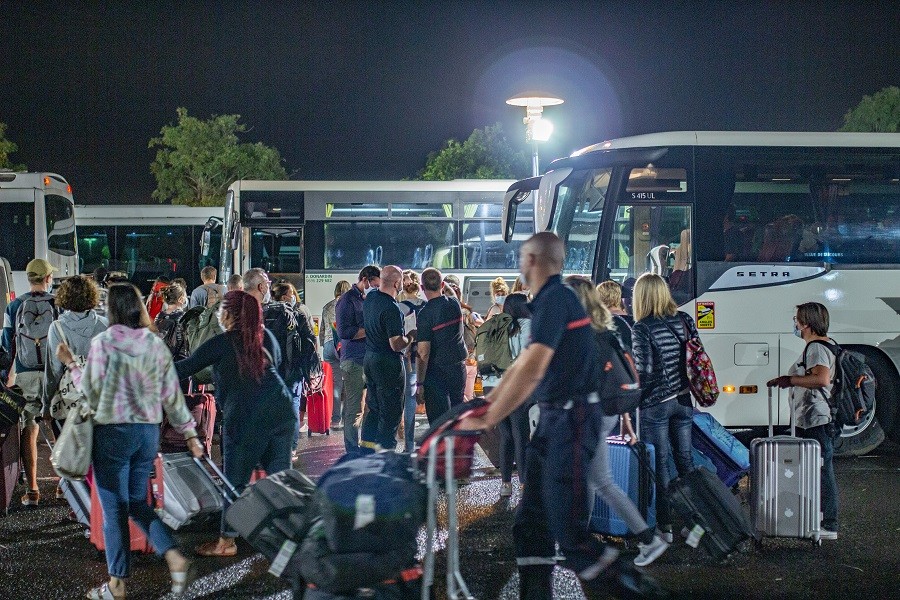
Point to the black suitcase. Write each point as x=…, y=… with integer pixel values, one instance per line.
x=408, y=586
x=9, y=465
x=716, y=520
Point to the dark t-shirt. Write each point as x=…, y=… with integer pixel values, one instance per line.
x=559, y=321
x=382, y=320
x=440, y=323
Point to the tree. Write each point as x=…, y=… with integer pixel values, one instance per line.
x=486, y=154
x=197, y=160
x=878, y=112
x=6, y=148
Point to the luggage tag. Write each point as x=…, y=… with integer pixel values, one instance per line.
x=365, y=511
x=284, y=555
x=693, y=539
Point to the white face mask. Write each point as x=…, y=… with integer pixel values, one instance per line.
x=366, y=291
x=499, y=300
x=268, y=297
x=292, y=302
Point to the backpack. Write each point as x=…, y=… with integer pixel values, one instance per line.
x=492, y=349
x=170, y=328
x=33, y=320
x=619, y=387
x=699, y=368
x=201, y=324
x=213, y=294
x=853, y=393
x=299, y=360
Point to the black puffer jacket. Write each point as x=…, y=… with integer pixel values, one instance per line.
x=658, y=349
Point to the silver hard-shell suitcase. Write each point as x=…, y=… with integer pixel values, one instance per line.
x=785, y=485
x=188, y=491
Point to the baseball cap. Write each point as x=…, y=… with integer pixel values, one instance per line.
x=39, y=266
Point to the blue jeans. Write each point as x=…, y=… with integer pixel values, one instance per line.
x=668, y=427
x=822, y=435
x=409, y=408
x=269, y=449
x=123, y=458
x=332, y=359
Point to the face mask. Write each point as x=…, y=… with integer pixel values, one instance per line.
x=499, y=300
x=797, y=331
x=292, y=302
x=366, y=291
x=267, y=298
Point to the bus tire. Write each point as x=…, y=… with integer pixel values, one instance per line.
x=885, y=422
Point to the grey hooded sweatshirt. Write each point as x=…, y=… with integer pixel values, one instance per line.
x=78, y=328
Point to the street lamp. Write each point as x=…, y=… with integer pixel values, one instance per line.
x=537, y=129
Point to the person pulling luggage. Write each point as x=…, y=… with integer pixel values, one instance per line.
x=560, y=368
x=810, y=381
x=257, y=412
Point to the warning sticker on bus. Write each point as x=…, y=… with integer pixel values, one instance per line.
x=706, y=315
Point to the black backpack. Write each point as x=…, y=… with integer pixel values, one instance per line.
x=853, y=393
x=170, y=328
x=619, y=387
x=299, y=360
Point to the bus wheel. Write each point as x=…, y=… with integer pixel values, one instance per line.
x=868, y=435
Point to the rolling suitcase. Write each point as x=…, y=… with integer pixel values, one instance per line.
x=320, y=403
x=730, y=457
x=630, y=472
x=203, y=409
x=9, y=465
x=183, y=490
x=785, y=485
x=139, y=541
x=713, y=514
x=78, y=495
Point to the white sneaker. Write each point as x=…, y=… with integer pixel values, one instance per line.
x=825, y=534
x=609, y=556
x=505, y=490
x=665, y=535
x=650, y=552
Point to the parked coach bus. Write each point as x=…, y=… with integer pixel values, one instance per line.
x=37, y=216
x=316, y=233
x=745, y=226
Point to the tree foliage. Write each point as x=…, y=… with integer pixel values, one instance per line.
x=486, y=154
x=6, y=148
x=878, y=112
x=197, y=160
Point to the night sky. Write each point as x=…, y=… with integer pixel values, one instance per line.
x=364, y=90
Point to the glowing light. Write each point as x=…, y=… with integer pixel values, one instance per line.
x=728, y=389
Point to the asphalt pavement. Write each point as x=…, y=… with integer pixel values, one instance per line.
x=45, y=555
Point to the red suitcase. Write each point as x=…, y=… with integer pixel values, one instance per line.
x=203, y=409
x=139, y=541
x=320, y=402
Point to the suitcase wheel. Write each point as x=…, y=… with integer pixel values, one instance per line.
x=309, y=434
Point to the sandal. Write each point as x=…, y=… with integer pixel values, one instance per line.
x=102, y=592
x=182, y=580
x=217, y=549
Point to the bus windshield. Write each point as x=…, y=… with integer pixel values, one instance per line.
x=60, y=225
x=576, y=220
x=18, y=249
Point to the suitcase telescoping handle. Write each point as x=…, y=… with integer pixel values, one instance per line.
x=229, y=493
x=791, y=416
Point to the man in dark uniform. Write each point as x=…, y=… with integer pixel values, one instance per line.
x=559, y=367
x=383, y=363
x=441, y=349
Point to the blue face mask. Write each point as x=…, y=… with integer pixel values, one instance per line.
x=797, y=331
x=499, y=300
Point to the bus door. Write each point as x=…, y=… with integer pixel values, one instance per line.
x=651, y=231
x=279, y=251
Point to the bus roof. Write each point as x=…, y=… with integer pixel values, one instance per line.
x=749, y=138
x=455, y=185
x=21, y=180
x=142, y=214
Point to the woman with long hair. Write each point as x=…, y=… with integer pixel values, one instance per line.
x=257, y=416
x=514, y=428
x=129, y=380
x=650, y=545
x=659, y=338
x=499, y=292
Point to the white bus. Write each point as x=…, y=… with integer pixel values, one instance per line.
x=745, y=226
x=37, y=214
x=316, y=233
x=146, y=241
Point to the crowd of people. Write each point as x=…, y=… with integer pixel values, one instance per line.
x=397, y=340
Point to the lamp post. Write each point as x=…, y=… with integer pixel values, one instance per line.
x=537, y=129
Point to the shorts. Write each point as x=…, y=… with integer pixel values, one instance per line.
x=32, y=385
